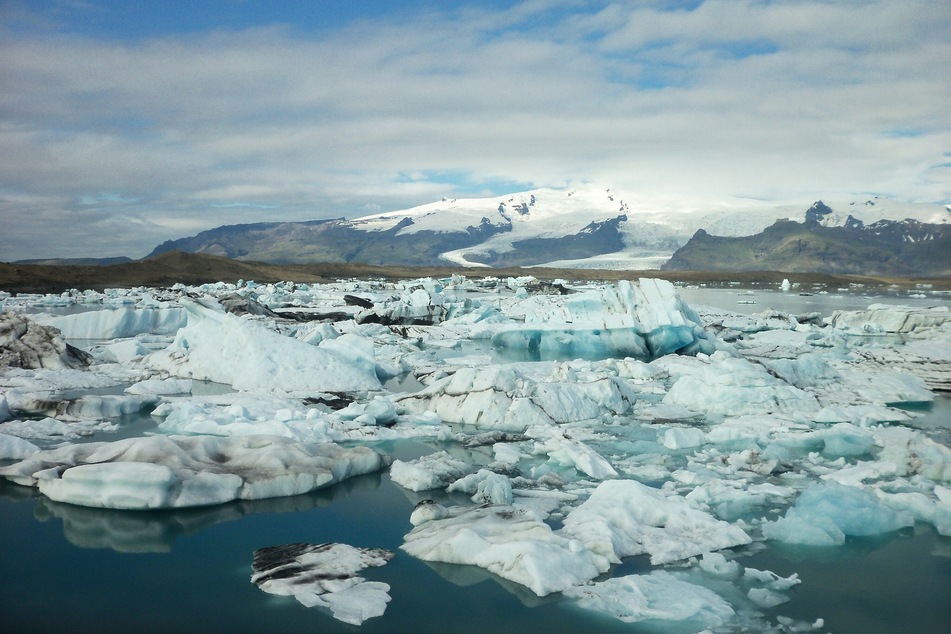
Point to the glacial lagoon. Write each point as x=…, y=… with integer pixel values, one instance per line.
x=79, y=569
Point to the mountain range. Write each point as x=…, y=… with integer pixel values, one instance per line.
x=601, y=228
x=598, y=228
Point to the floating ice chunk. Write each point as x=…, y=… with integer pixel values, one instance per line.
x=658, y=596
x=176, y=471
x=624, y=518
x=194, y=418
x=503, y=398
x=324, y=575
x=435, y=471
x=845, y=439
x=27, y=344
x=226, y=349
x=760, y=429
x=4, y=408
x=486, y=487
x=318, y=333
x=717, y=565
x=568, y=452
x=684, y=438
x=160, y=387
x=551, y=341
x=861, y=415
x=119, y=323
x=426, y=511
x=907, y=452
x=826, y=513
x=733, y=498
x=884, y=318
x=928, y=359
x=13, y=448
x=91, y=406
x=381, y=410
x=644, y=321
x=509, y=541
x=122, y=351
x=733, y=386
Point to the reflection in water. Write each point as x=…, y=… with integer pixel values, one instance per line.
x=156, y=531
x=464, y=576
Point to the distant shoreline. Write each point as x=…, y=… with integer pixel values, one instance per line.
x=189, y=268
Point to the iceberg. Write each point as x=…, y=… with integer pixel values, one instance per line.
x=623, y=518
x=119, y=323
x=881, y=319
x=324, y=575
x=503, y=398
x=158, y=472
x=26, y=344
x=220, y=347
x=721, y=385
x=435, y=471
x=509, y=541
x=657, y=596
x=826, y=513
x=643, y=321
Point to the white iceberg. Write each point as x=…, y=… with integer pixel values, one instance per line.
x=623, y=518
x=435, y=471
x=657, y=596
x=324, y=575
x=119, y=323
x=159, y=472
x=509, y=541
x=219, y=347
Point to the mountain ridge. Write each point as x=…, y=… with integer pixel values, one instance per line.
x=570, y=228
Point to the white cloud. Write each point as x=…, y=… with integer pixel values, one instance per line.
x=766, y=99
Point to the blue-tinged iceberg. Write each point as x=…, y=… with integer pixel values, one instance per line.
x=643, y=321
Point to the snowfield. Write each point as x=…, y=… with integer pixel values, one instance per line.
x=566, y=433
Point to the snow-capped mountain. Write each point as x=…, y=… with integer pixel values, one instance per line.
x=571, y=228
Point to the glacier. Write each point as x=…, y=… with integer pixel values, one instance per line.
x=559, y=432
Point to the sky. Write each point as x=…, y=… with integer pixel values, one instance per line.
x=124, y=124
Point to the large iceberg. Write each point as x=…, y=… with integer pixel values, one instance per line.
x=220, y=347
x=160, y=472
x=645, y=320
x=118, y=323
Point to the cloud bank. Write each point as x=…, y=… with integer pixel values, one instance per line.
x=114, y=144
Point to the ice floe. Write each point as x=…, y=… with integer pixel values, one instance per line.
x=325, y=575
x=174, y=471
x=623, y=518
x=508, y=541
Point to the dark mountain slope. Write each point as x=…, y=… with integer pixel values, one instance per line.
x=907, y=248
